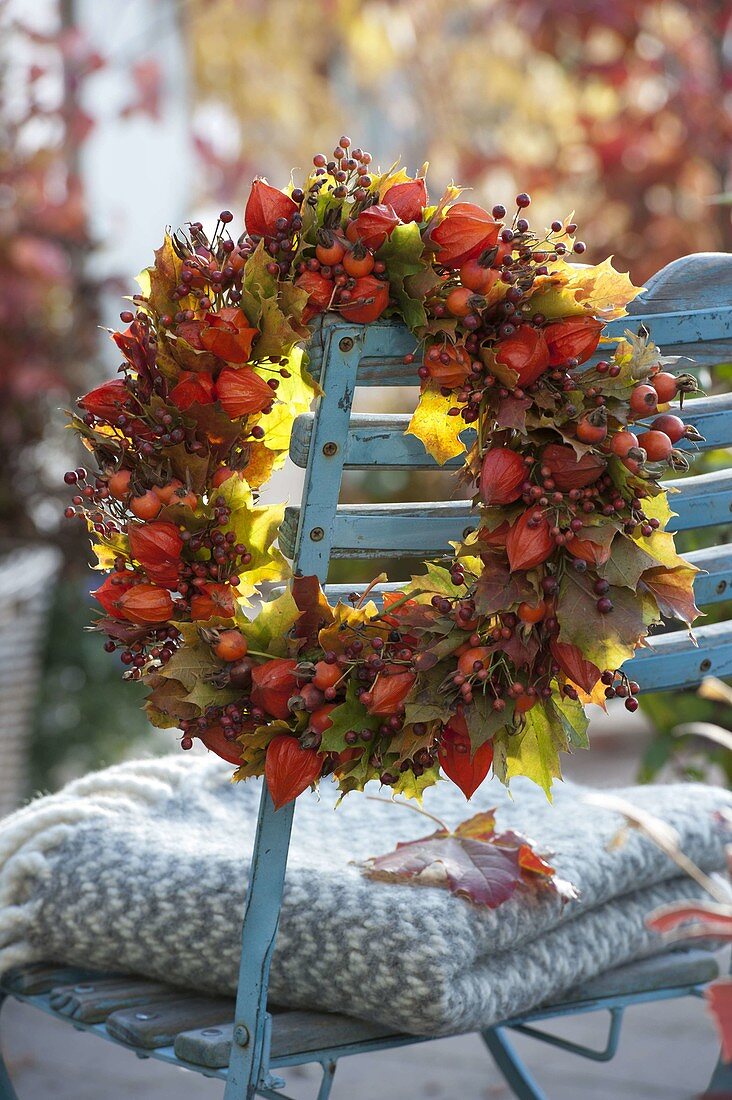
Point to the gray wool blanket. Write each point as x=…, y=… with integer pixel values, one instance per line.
x=142, y=867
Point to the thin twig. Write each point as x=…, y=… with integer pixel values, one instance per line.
x=409, y=806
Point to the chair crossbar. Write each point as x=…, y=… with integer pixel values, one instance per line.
x=426, y=530
x=713, y=585
x=379, y=440
x=385, y=343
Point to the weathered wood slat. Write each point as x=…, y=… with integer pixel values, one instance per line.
x=667, y=971
x=693, y=332
x=673, y=661
x=702, y=278
x=379, y=440
x=206, y=1046
x=92, y=1002
x=28, y=981
x=293, y=1033
x=711, y=586
x=716, y=583
x=296, y=1032
x=158, y=1024
x=426, y=530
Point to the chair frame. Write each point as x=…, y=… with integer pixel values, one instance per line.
x=344, y=355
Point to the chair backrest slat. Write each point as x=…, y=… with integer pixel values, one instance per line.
x=427, y=529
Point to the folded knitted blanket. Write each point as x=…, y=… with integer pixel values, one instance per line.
x=143, y=867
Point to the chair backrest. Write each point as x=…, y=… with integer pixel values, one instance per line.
x=686, y=307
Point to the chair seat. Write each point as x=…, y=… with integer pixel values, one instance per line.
x=196, y=1031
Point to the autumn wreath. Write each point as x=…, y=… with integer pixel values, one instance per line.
x=485, y=660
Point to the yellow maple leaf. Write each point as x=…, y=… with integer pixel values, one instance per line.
x=337, y=635
x=439, y=432
x=572, y=290
x=294, y=397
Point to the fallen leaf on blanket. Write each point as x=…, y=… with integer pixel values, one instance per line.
x=474, y=862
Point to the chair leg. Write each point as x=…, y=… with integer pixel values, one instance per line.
x=7, y=1092
x=720, y=1086
x=326, y=1084
x=517, y=1075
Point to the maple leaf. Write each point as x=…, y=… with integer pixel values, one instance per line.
x=260, y=464
x=439, y=432
x=339, y=633
x=673, y=591
x=274, y=620
x=158, y=282
x=168, y=702
x=402, y=254
x=192, y=665
x=505, y=375
x=499, y=589
x=414, y=786
x=472, y=869
x=512, y=413
x=108, y=547
x=349, y=715
x=191, y=469
x=473, y=862
x=571, y=715
x=606, y=640
x=533, y=751
x=435, y=580
x=256, y=528
x=627, y=562
x=599, y=291
x=294, y=396
x=483, y=721
x=254, y=749
x=426, y=702
x=660, y=546
x=312, y=603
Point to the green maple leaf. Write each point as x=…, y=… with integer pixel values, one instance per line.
x=402, y=253
x=571, y=714
x=278, y=335
x=483, y=721
x=350, y=715
x=191, y=665
x=533, y=751
x=257, y=284
x=627, y=562
x=414, y=786
x=427, y=701
x=606, y=640
x=268, y=632
x=435, y=580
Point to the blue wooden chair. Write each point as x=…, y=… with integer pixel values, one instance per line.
x=245, y=1044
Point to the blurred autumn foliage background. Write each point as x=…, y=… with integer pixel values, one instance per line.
x=117, y=119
